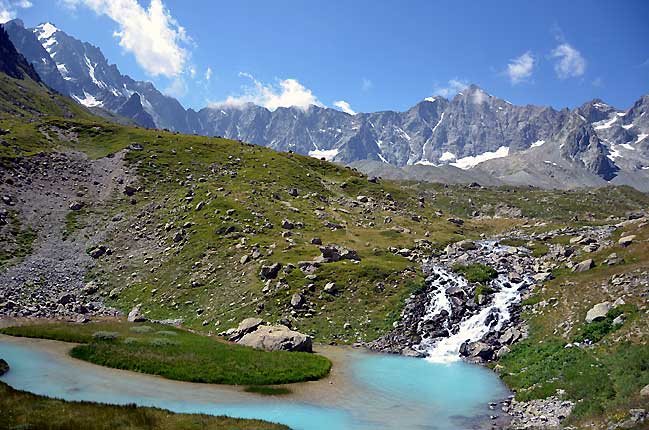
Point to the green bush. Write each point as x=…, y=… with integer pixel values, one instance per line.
x=476, y=272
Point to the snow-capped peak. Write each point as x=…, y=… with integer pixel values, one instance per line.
x=430, y=99
x=46, y=30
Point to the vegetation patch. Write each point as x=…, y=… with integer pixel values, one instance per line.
x=22, y=410
x=597, y=330
x=476, y=272
x=183, y=356
x=266, y=390
x=601, y=380
x=482, y=290
x=17, y=243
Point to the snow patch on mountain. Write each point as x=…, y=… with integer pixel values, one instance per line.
x=447, y=156
x=537, y=143
x=327, y=154
x=472, y=161
x=46, y=30
x=88, y=100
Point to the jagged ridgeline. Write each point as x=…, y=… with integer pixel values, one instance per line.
x=475, y=136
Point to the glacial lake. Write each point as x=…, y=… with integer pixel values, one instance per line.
x=367, y=392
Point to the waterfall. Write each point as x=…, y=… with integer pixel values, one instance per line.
x=473, y=328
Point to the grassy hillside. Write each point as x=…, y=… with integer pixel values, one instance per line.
x=604, y=375
x=204, y=214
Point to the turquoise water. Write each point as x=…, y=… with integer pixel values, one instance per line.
x=388, y=392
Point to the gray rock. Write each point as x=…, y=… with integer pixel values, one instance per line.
x=645, y=391
x=584, y=266
x=76, y=206
x=4, y=367
x=466, y=245
x=598, y=312
x=297, y=300
x=135, y=315
x=270, y=271
x=277, y=338
x=626, y=240
x=246, y=326
x=330, y=288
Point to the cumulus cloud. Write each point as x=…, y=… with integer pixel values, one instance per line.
x=287, y=93
x=569, y=61
x=520, y=68
x=453, y=87
x=208, y=74
x=366, y=84
x=344, y=106
x=9, y=9
x=152, y=35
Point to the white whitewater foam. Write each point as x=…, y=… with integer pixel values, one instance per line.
x=473, y=328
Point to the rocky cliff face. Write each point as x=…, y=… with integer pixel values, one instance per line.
x=12, y=62
x=592, y=144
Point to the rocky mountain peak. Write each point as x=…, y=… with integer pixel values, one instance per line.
x=12, y=62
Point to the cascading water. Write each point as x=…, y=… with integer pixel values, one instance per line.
x=475, y=327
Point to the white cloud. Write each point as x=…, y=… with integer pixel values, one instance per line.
x=152, y=35
x=192, y=72
x=453, y=87
x=288, y=92
x=520, y=68
x=9, y=9
x=344, y=106
x=366, y=84
x=177, y=88
x=570, y=63
x=208, y=74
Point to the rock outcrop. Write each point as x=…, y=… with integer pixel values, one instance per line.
x=277, y=338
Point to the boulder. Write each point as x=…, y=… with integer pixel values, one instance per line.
x=480, y=350
x=626, y=240
x=246, y=326
x=136, y=315
x=542, y=277
x=510, y=336
x=598, y=312
x=645, y=391
x=584, y=266
x=4, y=367
x=330, y=288
x=270, y=272
x=466, y=245
x=277, y=338
x=76, y=206
x=66, y=298
x=297, y=300
x=333, y=253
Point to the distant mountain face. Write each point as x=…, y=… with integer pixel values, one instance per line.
x=12, y=63
x=474, y=131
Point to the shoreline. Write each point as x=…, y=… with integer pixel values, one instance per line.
x=336, y=392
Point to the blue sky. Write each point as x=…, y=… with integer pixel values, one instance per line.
x=373, y=55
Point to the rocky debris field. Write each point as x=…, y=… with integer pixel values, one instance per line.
x=44, y=194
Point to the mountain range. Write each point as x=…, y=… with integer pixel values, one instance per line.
x=473, y=137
